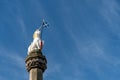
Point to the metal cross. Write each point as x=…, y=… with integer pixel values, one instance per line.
x=44, y=24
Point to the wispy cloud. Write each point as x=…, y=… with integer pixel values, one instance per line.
x=22, y=27
x=52, y=69
x=12, y=62
x=109, y=10
x=92, y=54
x=13, y=56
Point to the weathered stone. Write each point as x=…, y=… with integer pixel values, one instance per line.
x=36, y=74
x=36, y=65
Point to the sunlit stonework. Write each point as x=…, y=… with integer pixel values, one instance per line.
x=37, y=43
x=36, y=62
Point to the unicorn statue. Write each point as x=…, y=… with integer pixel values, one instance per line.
x=37, y=43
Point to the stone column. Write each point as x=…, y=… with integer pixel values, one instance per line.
x=36, y=65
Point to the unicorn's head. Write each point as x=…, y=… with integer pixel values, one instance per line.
x=36, y=34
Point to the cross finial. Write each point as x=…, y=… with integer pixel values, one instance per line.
x=44, y=24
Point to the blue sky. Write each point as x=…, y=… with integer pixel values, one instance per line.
x=82, y=42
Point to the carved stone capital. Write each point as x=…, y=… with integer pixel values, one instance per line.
x=36, y=60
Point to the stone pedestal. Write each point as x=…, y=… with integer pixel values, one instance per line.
x=36, y=65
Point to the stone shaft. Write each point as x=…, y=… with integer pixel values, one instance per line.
x=36, y=65
x=36, y=74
